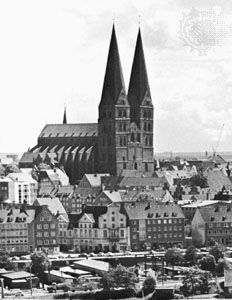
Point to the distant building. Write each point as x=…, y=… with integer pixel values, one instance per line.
x=212, y=223
x=189, y=210
x=155, y=225
x=16, y=231
x=18, y=188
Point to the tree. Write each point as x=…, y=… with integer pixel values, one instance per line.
x=119, y=277
x=221, y=265
x=12, y=169
x=216, y=251
x=39, y=263
x=199, y=180
x=195, y=281
x=191, y=255
x=207, y=263
x=149, y=284
x=5, y=261
x=173, y=256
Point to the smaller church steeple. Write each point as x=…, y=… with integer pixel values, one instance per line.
x=65, y=116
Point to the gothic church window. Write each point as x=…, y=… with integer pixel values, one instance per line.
x=132, y=137
x=124, y=114
x=124, y=141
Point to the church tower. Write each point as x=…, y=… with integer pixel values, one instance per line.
x=114, y=116
x=141, y=113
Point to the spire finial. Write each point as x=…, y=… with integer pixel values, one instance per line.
x=139, y=20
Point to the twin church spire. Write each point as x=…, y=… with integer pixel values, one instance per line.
x=114, y=81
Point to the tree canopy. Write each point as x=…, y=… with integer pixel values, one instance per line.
x=216, y=251
x=39, y=263
x=119, y=277
x=191, y=255
x=196, y=280
x=173, y=256
x=5, y=261
x=207, y=263
x=199, y=180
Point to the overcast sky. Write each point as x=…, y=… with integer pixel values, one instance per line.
x=54, y=52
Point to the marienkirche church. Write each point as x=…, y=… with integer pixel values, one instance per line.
x=122, y=140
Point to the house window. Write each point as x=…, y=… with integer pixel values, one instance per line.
x=105, y=233
x=122, y=233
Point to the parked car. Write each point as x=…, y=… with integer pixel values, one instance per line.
x=92, y=254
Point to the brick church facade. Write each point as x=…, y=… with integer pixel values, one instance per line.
x=122, y=140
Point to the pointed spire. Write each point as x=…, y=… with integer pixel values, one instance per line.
x=65, y=116
x=139, y=85
x=113, y=81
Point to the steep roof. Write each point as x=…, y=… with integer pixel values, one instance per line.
x=95, y=179
x=54, y=205
x=113, y=84
x=144, y=211
x=69, y=130
x=139, y=85
x=216, y=179
x=15, y=213
x=217, y=213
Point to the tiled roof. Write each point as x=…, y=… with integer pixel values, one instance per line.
x=144, y=211
x=16, y=213
x=141, y=182
x=21, y=177
x=54, y=205
x=113, y=196
x=28, y=157
x=95, y=179
x=147, y=195
x=217, y=213
x=69, y=130
x=217, y=179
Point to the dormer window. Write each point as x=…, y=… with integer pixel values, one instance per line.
x=158, y=215
x=216, y=209
x=223, y=218
x=212, y=219
x=150, y=215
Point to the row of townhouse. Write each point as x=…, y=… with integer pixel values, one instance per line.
x=26, y=228
x=121, y=227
